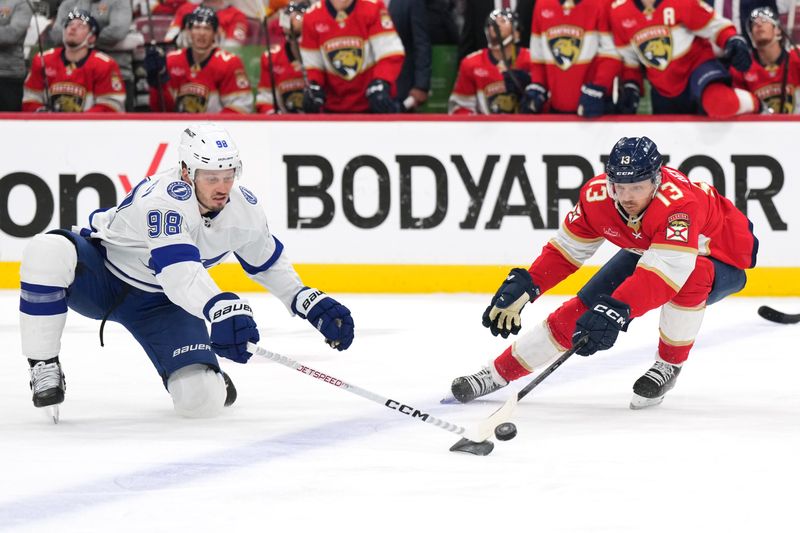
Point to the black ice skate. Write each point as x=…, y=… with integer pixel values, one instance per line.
x=650, y=389
x=467, y=388
x=230, y=390
x=48, y=386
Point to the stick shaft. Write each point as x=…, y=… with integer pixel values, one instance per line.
x=552, y=368
x=396, y=406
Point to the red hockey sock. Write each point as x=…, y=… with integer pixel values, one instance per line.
x=721, y=101
x=508, y=366
x=673, y=355
x=562, y=321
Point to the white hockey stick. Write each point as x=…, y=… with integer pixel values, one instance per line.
x=478, y=437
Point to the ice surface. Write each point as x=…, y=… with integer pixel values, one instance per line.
x=296, y=454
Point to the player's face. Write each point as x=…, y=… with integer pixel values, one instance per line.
x=764, y=31
x=297, y=23
x=76, y=32
x=202, y=36
x=505, y=27
x=634, y=197
x=213, y=188
x=341, y=5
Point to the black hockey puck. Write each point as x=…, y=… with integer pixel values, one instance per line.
x=505, y=431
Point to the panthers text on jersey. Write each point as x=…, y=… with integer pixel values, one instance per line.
x=773, y=83
x=565, y=39
x=345, y=51
x=685, y=219
x=289, y=82
x=156, y=240
x=479, y=87
x=93, y=84
x=670, y=42
x=217, y=85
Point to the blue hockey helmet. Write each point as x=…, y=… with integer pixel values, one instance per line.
x=85, y=16
x=634, y=159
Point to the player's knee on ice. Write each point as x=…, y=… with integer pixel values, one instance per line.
x=49, y=259
x=197, y=391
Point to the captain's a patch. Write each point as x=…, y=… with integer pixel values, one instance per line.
x=678, y=227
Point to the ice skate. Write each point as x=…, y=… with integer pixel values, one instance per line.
x=230, y=390
x=48, y=386
x=467, y=388
x=649, y=390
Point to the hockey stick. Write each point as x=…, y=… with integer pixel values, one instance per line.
x=477, y=439
x=774, y=315
x=503, y=59
x=161, y=105
x=505, y=411
x=41, y=56
x=275, y=103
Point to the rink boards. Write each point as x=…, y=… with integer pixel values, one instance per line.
x=403, y=205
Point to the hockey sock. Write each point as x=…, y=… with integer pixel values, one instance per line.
x=721, y=101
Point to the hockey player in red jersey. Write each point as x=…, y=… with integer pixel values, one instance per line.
x=774, y=76
x=201, y=78
x=494, y=80
x=232, y=23
x=353, y=56
x=672, y=40
x=566, y=38
x=684, y=246
x=75, y=77
x=281, y=66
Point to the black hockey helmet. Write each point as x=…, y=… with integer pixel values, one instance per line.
x=491, y=21
x=201, y=15
x=765, y=13
x=85, y=16
x=295, y=8
x=634, y=159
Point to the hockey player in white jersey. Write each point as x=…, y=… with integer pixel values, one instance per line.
x=143, y=264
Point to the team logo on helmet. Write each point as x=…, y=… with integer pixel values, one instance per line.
x=249, y=196
x=654, y=46
x=678, y=227
x=346, y=56
x=565, y=45
x=179, y=190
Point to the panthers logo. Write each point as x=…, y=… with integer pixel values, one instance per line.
x=191, y=103
x=503, y=103
x=347, y=62
x=565, y=50
x=774, y=103
x=293, y=100
x=657, y=52
x=66, y=103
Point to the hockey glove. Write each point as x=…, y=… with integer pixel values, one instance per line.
x=534, y=98
x=502, y=317
x=592, y=101
x=601, y=324
x=330, y=317
x=313, y=98
x=155, y=64
x=629, y=98
x=380, y=98
x=516, y=81
x=232, y=326
x=737, y=53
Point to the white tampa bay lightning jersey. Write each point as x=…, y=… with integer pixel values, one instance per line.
x=157, y=240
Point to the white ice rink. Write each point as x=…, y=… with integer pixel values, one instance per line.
x=722, y=454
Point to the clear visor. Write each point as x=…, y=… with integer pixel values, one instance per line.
x=215, y=177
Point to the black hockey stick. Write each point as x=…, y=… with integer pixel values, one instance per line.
x=162, y=107
x=503, y=59
x=275, y=104
x=773, y=315
x=478, y=438
x=41, y=50
x=504, y=412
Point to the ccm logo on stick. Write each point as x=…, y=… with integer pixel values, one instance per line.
x=406, y=409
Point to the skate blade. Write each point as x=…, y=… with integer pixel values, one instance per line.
x=51, y=412
x=640, y=402
x=449, y=400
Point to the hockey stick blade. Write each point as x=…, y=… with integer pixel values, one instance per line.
x=773, y=315
x=474, y=448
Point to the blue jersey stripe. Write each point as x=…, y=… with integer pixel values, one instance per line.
x=253, y=270
x=161, y=258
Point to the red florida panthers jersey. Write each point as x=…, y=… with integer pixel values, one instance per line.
x=345, y=51
x=671, y=42
x=288, y=83
x=565, y=39
x=767, y=82
x=684, y=220
x=93, y=84
x=217, y=85
x=479, y=87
